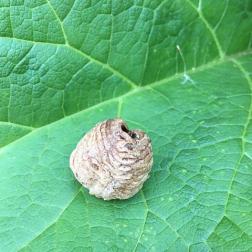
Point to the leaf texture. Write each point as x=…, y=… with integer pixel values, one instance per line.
x=181, y=70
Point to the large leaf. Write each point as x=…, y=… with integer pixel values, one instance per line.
x=181, y=70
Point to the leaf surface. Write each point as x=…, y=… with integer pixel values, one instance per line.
x=178, y=70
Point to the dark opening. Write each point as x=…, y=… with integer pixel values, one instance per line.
x=130, y=133
x=123, y=127
x=133, y=135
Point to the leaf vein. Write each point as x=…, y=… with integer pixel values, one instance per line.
x=53, y=222
x=210, y=29
x=59, y=21
x=154, y=84
x=243, y=151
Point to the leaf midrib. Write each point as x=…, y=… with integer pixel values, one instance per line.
x=135, y=90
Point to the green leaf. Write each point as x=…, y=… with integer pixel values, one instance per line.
x=181, y=70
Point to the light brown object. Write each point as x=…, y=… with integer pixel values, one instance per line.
x=112, y=161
